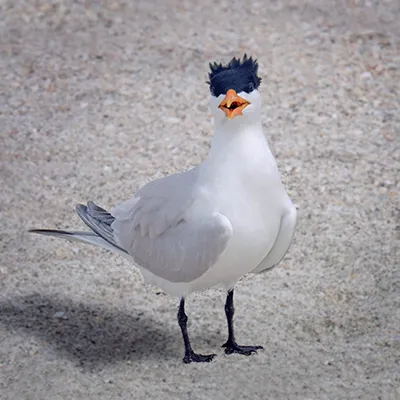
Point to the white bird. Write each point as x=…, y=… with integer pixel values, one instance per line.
x=211, y=225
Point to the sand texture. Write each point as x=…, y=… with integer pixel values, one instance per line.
x=99, y=97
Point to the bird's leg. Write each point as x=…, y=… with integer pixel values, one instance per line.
x=190, y=355
x=231, y=346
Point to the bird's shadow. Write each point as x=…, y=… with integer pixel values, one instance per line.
x=89, y=335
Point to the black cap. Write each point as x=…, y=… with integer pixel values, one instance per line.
x=239, y=75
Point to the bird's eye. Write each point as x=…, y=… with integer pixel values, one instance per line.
x=251, y=86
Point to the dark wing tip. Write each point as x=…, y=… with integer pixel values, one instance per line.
x=49, y=231
x=98, y=220
x=80, y=208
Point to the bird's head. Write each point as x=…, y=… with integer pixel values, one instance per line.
x=234, y=95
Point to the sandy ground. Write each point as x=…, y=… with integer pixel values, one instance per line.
x=99, y=97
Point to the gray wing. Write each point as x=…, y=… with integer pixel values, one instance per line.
x=158, y=230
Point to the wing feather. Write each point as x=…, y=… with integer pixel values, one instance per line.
x=159, y=231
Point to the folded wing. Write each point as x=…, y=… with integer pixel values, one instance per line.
x=157, y=229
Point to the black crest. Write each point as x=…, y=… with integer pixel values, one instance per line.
x=239, y=75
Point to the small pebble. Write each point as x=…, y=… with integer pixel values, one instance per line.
x=366, y=75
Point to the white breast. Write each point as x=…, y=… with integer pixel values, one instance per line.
x=244, y=185
x=240, y=180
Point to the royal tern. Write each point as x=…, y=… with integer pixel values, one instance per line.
x=211, y=225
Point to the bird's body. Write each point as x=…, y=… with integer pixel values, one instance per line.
x=239, y=180
x=214, y=223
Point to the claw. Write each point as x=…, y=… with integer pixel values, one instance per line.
x=231, y=348
x=193, y=357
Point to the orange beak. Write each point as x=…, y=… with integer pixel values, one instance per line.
x=233, y=105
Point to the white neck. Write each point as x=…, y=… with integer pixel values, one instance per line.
x=239, y=153
x=232, y=139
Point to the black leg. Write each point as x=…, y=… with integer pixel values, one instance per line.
x=231, y=346
x=190, y=355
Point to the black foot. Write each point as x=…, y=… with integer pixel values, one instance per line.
x=193, y=357
x=232, y=347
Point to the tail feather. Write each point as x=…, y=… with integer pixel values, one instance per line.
x=99, y=221
x=85, y=237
